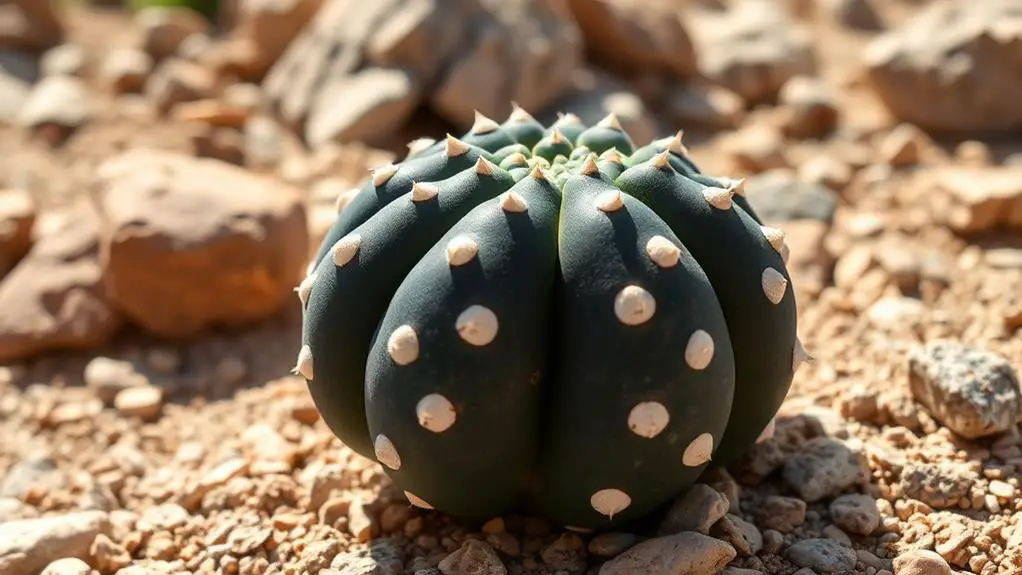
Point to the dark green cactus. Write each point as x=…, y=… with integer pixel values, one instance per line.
x=548, y=319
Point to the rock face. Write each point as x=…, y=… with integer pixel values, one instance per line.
x=752, y=49
x=54, y=298
x=953, y=67
x=192, y=243
x=378, y=58
x=973, y=392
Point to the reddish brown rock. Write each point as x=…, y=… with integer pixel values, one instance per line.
x=54, y=298
x=193, y=243
x=17, y=215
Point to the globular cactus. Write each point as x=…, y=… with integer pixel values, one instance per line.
x=550, y=319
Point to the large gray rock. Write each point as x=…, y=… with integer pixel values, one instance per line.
x=954, y=67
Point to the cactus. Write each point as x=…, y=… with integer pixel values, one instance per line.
x=549, y=319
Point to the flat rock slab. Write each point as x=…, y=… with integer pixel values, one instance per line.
x=192, y=243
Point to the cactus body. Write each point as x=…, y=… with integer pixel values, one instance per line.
x=548, y=318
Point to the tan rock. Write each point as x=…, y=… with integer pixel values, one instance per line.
x=142, y=401
x=921, y=562
x=17, y=216
x=176, y=81
x=28, y=546
x=264, y=28
x=193, y=243
x=636, y=35
x=54, y=298
x=164, y=28
x=689, y=553
x=362, y=106
x=978, y=199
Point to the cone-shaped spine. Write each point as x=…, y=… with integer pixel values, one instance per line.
x=552, y=145
x=522, y=127
x=605, y=135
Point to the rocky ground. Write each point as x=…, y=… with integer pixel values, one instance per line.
x=164, y=184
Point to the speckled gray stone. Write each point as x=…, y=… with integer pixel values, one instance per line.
x=972, y=391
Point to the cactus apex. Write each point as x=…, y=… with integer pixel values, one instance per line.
x=719, y=198
x=609, y=201
x=518, y=114
x=483, y=124
x=634, y=305
x=699, y=451
x=661, y=161
x=610, y=502
x=382, y=174
x=648, y=418
x=303, y=366
x=345, y=249
x=512, y=201
x=305, y=288
x=423, y=191
x=477, y=325
x=800, y=355
x=417, y=501
x=699, y=350
x=569, y=117
x=454, y=147
x=386, y=453
x=589, y=167
x=774, y=285
x=403, y=345
x=768, y=431
x=613, y=156
x=610, y=121
x=419, y=144
x=774, y=236
x=537, y=173
x=662, y=251
x=435, y=413
x=461, y=250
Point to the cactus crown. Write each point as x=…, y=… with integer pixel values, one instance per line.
x=548, y=316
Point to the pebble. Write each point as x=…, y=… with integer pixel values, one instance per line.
x=809, y=106
x=939, y=485
x=822, y=556
x=63, y=101
x=972, y=391
x=107, y=377
x=824, y=467
x=780, y=513
x=67, y=566
x=66, y=60
x=144, y=402
x=379, y=557
x=474, y=557
x=921, y=562
x=778, y=195
x=742, y=535
x=690, y=553
x=611, y=544
x=855, y=513
x=895, y=312
x=31, y=472
x=697, y=510
x=566, y=553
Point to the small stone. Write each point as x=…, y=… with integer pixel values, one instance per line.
x=611, y=544
x=809, y=107
x=972, y=391
x=126, y=70
x=940, y=485
x=61, y=101
x=772, y=541
x=34, y=472
x=895, y=312
x=823, y=467
x=741, y=534
x=379, y=557
x=689, y=553
x=834, y=532
x=903, y=145
x=697, y=510
x=144, y=402
x=107, y=377
x=855, y=513
x=67, y=566
x=921, y=562
x=472, y=558
x=756, y=148
x=566, y=553
x=822, y=556
x=780, y=513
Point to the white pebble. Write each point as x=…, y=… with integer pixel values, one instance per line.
x=403, y=345
x=648, y=419
x=477, y=325
x=435, y=413
x=699, y=351
x=699, y=451
x=634, y=305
